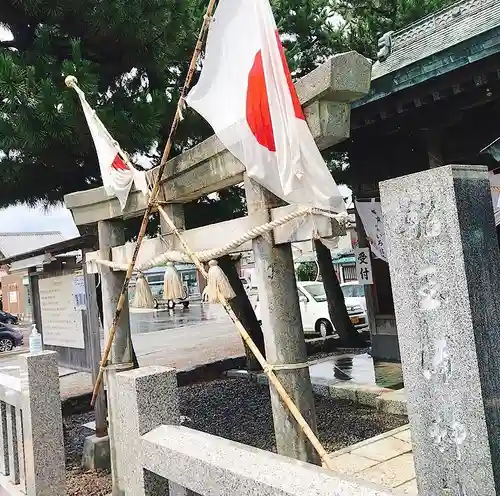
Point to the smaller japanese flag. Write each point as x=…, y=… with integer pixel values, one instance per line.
x=117, y=175
x=246, y=93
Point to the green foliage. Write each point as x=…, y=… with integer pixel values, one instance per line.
x=307, y=32
x=307, y=271
x=46, y=149
x=131, y=57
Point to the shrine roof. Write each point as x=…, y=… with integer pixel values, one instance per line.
x=54, y=246
x=14, y=243
x=464, y=32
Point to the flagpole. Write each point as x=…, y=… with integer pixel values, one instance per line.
x=153, y=196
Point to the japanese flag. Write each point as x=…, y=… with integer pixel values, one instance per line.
x=246, y=93
x=117, y=175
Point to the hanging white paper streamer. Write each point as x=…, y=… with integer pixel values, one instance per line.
x=370, y=213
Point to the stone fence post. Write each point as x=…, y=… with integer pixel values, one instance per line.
x=146, y=398
x=44, y=459
x=445, y=273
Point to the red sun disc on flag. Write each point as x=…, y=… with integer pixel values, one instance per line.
x=118, y=163
x=258, y=113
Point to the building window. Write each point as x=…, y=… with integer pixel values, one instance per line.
x=349, y=273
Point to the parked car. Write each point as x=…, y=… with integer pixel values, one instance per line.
x=354, y=294
x=9, y=338
x=314, y=310
x=8, y=318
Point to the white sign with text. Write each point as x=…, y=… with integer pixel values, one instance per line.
x=363, y=266
x=62, y=324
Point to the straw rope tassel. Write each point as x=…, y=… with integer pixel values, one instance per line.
x=172, y=284
x=217, y=284
x=258, y=355
x=143, y=297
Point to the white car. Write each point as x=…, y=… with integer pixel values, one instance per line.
x=354, y=294
x=314, y=310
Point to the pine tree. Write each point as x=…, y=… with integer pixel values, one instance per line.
x=129, y=57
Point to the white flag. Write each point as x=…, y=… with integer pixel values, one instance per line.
x=370, y=213
x=246, y=93
x=117, y=175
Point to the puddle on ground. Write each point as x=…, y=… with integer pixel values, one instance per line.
x=361, y=369
x=164, y=319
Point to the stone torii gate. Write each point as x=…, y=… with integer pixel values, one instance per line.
x=325, y=94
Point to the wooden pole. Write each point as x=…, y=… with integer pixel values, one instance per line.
x=258, y=355
x=92, y=320
x=154, y=194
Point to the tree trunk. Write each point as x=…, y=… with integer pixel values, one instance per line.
x=336, y=304
x=242, y=307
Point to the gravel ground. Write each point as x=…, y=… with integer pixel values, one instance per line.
x=236, y=409
x=80, y=482
x=240, y=410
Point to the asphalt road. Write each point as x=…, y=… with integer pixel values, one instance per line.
x=184, y=337
x=180, y=338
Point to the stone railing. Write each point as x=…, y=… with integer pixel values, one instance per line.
x=31, y=436
x=155, y=456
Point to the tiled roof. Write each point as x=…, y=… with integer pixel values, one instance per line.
x=455, y=24
x=22, y=242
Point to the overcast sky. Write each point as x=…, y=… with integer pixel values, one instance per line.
x=24, y=219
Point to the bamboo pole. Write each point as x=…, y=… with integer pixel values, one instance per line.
x=154, y=194
x=241, y=329
x=258, y=355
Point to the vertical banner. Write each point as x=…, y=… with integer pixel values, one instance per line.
x=363, y=266
x=370, y=213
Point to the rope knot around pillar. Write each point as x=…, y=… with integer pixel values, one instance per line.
x=273, y=367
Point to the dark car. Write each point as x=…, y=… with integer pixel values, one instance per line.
x=9, y=338
x=8, y=318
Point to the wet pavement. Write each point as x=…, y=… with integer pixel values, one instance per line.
x=182, y=338
x=203, y=333
x=146, y=321
x=359, y=369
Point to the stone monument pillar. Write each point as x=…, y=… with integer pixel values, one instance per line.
x=445, y=273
